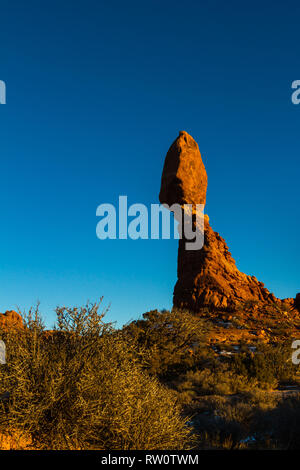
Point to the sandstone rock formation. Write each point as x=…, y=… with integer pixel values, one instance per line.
x=11, y=319
x=207, y=277
x=184, y=179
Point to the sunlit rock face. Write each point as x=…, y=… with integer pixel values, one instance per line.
x=184, y=178
x=10, y=319
x=207, y=277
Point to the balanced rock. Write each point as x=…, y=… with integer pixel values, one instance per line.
x=184, y=178
x=207, y=277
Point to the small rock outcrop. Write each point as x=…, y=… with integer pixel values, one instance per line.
x=10, y=319
x=207, y=277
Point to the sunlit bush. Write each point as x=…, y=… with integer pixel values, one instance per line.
x=81, y=386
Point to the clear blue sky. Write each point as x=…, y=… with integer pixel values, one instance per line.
x=96, y=93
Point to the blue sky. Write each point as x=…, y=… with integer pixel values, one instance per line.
x=96, y=93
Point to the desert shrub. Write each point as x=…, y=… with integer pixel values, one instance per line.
x=210, y=403
x=169, y=342
x=81, y=386
x=269, y=365
x=277, y=426
x=280, y=426
x=247, y=421
x=222, y=423
x=217, y=381
x=260, y=398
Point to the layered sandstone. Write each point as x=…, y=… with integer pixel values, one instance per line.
x=207, y=277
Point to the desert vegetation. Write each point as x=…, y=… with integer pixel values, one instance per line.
x=157, y=383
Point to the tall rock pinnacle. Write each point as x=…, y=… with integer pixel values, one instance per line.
x=207, y=277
